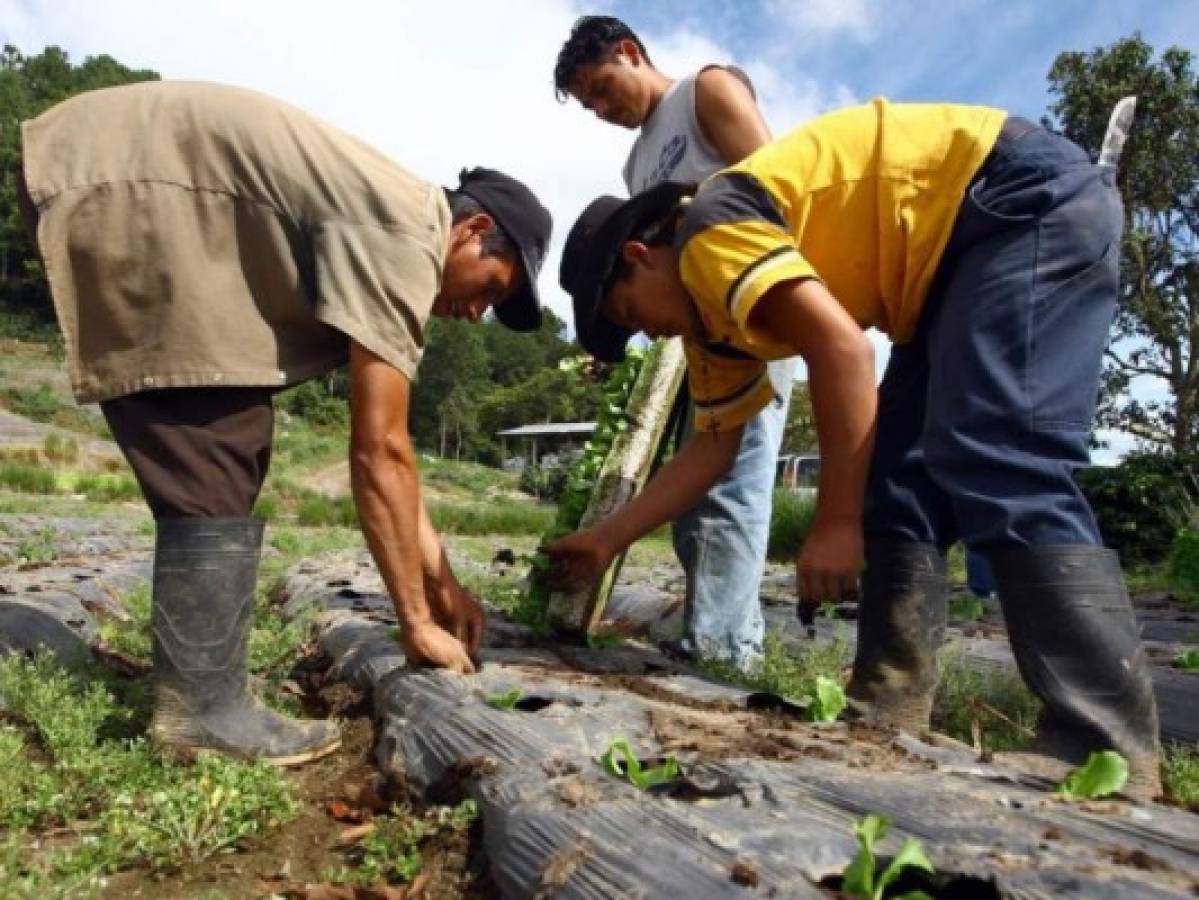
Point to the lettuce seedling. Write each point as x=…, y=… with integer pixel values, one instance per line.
x=620, y=760
x=1104, y=773
x=862, y=878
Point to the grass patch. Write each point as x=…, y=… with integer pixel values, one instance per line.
x=106, y=488
x=790, y=520
x=492, y=518
x=74, y=758
x=995, y=704
x=394, y=851
x=131, y=637
x=787, y=671
x=1180, y=775
x=27, y=479
x=39, y=546
x=42, y=403
x=58, y=449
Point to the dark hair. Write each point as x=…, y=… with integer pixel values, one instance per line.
x=659, y=232
x=591, y=39
x=496, y=242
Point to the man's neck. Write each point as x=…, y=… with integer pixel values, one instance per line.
x=659, y=84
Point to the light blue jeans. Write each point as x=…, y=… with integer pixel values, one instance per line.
x=721, y=542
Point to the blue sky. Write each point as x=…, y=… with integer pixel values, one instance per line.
x=995, y=52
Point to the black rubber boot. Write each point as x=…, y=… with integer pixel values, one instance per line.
x=901, y=623
x=204, y=576
x=1077, y=645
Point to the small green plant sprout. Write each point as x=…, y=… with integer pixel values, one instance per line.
x=828, y=701
x=966, y=609
x=1188, y=659
x=862, y=878
x=620, y=760
x=1104, y=773
x=506, y=701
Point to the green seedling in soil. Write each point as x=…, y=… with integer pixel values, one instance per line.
x=620, y=760
x=828, y=701
x=604, y=641
x=39, y=547
x=1104, y=773
x=1188, y=659
x=862, y=878
x=966, y=609
x=393, y=851
x=506, y=701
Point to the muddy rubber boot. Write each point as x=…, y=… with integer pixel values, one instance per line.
x=1078, y=648
x=901, y=623
x=204, y=576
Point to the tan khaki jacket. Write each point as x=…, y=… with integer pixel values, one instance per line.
x=202, y=235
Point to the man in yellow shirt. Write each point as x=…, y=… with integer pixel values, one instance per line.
x=987, y=249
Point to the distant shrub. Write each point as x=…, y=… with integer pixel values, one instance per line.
x=27, y=479
x=39, y=403
x=790, y=520
x=491, y=518
x=60, y=449
x=1141, y=503
x=318, y=401
x=107, y=488
x=1184, y=564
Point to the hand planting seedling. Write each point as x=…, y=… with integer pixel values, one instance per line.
x=611, y=420
x=862, y=878
x=1103, y=773
x=620, y=760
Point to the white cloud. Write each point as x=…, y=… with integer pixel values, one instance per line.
x=856, y=18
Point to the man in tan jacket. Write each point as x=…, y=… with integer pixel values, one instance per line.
x=207, y=246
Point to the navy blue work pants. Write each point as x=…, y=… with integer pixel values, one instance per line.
x=984, y=417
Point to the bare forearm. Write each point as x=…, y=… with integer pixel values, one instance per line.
x=387, y=492
x=677, y=487
x=845, y=402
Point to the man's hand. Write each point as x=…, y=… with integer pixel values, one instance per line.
x=829, y=562
x=578, y=559
x=456, y=610
x=431, y=645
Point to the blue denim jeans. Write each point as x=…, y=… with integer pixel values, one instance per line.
x=984, y=416
x=721, y=542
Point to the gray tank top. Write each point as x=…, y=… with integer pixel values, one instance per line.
x=671, y=146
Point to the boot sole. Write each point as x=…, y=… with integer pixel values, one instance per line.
x=187, y=753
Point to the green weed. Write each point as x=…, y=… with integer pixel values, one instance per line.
x=786, y=671
x=40, y=546
x=1180, y=775
x=966, y=608
x=67, y=758
x=996, y=705
x=394, y=850
x=131, y=637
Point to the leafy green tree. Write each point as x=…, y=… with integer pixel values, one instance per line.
x=28, y=86
x=799, y=434
x=451, y=379
x=1157, y=325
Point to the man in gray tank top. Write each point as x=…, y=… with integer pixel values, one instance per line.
x=688, y=129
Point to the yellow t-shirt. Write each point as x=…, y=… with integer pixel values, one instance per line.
x=863, y=199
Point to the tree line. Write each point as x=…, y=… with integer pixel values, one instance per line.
x=477, y=380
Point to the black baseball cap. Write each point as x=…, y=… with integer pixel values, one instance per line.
x=591, y=253
x=527, y=224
